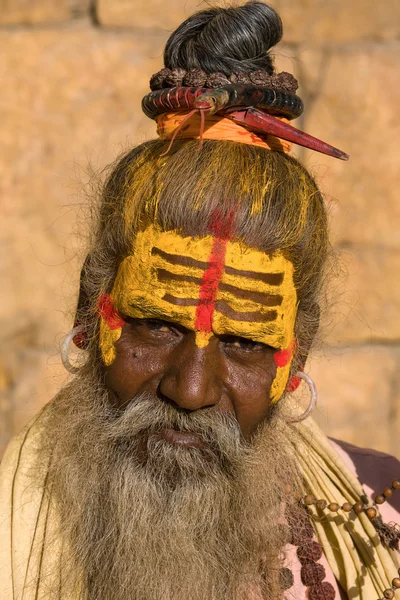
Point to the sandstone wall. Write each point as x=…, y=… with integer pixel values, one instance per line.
x=73, y=73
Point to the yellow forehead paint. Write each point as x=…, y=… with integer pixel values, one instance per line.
x=211, y=285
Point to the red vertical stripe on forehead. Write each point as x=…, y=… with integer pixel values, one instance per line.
x=222, y=228
x=209, y=286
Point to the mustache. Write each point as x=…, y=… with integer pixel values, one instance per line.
x=130, y=439
x=147, y=413
x=134, y=434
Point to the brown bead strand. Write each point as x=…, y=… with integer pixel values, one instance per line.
x=167, y=78
x=309, y=551
x=359, y=507
x=334, y=507
x=387, y=492
x=318, y=591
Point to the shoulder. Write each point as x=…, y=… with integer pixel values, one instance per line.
x=21, y=501
x=22, y=473
x=375, y=471
x=20, y=452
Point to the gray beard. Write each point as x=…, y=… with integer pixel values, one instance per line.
x=145, y=519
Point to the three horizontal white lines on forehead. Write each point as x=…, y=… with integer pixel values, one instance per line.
x=261, y=298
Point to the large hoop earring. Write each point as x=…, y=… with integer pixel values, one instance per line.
x=313, y=401
x=65, y=349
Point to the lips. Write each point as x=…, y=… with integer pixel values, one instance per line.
x=190, y=440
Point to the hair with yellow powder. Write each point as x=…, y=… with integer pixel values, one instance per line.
x=278, y=207
x=277, y=204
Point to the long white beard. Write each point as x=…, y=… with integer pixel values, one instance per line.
x=148, y=520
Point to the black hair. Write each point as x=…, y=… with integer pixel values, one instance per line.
x=226, y=40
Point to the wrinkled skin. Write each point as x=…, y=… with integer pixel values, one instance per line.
x=232, y=375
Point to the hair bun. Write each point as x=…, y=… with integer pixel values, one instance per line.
x=225, y=40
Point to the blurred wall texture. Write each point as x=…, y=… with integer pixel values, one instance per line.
x=73, y=73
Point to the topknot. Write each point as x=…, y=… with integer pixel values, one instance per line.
x=226, y=40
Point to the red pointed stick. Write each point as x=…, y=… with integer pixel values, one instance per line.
x=261, y=121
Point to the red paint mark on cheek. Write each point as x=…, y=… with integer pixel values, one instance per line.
x=283, y=357
x=293, y=383
x=109, y=313
x=222, y=229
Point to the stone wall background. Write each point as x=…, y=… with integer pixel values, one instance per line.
x=73, y=73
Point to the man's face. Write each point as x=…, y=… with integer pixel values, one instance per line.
x=200, y=322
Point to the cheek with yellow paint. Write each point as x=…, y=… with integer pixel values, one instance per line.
x=283, y=360
x=111, y=323
x=108, y=338
x=178, y=279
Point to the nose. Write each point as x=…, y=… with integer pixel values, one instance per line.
x=193, y=378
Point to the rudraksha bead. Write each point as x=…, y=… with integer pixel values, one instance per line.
x=309, y=552
x=380, y=499
x=286, y=579
x=371, y=512
x=240, y=77
x=396, y=484
x=195, y=78
x=157, y=80
x=388, y=492
x=322, y=591
x=301, y=533
x=347, y=507
x=312, y=574
x=321, y=504
x=299, y=523
x=284, y=81
x=389, y=594
x=175, y=78
x=216, y=79
x=260, y=78
x=333, y=506
x=396, y=582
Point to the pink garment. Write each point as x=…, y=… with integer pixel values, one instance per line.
x=375, y=471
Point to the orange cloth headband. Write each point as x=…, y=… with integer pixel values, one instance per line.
x=216, y=128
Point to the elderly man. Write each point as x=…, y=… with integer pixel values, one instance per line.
x=173, y=466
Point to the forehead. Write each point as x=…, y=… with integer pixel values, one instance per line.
x=208, y=283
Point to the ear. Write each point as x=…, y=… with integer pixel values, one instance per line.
x=81, y=339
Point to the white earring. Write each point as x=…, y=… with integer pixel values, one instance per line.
x=313, y=401
x=65, y=349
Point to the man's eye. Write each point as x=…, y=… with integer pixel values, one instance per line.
x=156, y=325
x=243, y=343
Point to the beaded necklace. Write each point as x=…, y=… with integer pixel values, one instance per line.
x=309, y=551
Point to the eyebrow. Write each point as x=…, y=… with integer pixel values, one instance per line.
x=187, y=261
